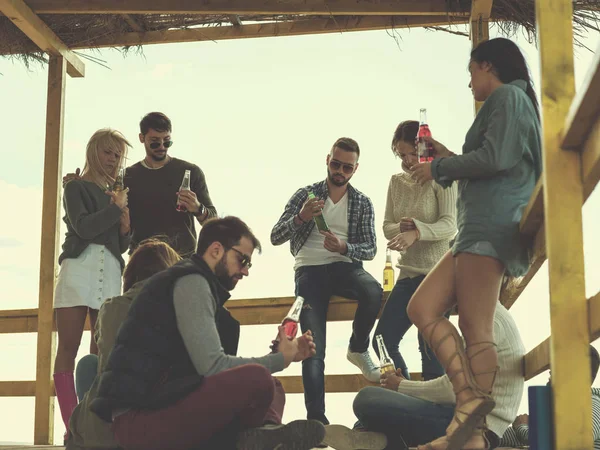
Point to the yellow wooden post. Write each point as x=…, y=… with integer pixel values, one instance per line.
x=563, y=200
x=44, y=403
x=480, y=28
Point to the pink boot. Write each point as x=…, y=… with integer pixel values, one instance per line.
x=64, y=384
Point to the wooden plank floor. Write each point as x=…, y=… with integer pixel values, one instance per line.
x=50, y=447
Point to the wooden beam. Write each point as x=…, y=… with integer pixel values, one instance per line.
x=21, y=389
x=249, y=7
x=585, y=109
x=479, y=22
x=36, y=30
x=563, y=201
x=538, y=359
x=259, y=311
x=235, y=20
x=287, y=28
x=135, y=26
x=292, y=384
x=509, y=296
x=533, y=216
x=590, y=160
x=44, y=407
x=594, y=316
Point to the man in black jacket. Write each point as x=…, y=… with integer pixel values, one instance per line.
x=169, y=384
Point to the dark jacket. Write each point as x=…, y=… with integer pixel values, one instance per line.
x=149, y=367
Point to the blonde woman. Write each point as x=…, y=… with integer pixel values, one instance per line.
x=98, y=232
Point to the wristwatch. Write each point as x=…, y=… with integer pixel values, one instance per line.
x=200, y=211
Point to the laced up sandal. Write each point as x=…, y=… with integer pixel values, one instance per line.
x=442, y=443
x=465, y=421
x=448, y=346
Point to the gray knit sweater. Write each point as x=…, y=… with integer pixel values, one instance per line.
x=91, y=219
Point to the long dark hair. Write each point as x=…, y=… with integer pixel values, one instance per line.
x=508, y=63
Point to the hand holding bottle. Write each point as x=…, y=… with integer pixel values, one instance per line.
x=189, y=201
x=312, y=207
x=439, y=149
x=295, y=350
x=391, y=381
x=119, y=198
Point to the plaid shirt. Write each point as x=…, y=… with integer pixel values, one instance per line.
x=362, y=243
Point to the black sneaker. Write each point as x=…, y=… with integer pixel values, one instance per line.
x=296, y=435
x=340, y=437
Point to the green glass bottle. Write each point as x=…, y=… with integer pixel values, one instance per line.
x=319, y=220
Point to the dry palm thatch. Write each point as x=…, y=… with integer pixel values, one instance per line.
x=84, y=30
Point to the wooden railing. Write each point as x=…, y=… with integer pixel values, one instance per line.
x=247, y=312
x=552, y=222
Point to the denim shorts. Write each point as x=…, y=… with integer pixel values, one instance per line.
x=482, y=248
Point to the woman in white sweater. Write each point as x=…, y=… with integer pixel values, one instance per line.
x=419, y=222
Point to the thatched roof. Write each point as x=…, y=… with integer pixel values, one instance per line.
x=123, y=31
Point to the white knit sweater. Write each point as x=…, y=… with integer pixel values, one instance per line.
x=433, y=209
x=509, y=385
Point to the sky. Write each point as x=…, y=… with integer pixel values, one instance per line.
x=259, y=117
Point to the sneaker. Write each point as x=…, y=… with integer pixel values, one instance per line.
x=296, y=435
x=340, y=437
x=366, y=365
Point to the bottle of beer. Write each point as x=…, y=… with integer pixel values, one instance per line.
x=388, y=272
x=119, y=183
x=319, y=220
x=386, y=363
x=424, y=149
x=185, y=186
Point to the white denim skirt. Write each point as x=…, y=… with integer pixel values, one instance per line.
x=89, y=279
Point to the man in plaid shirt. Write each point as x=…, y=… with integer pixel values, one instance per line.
x=330, y=263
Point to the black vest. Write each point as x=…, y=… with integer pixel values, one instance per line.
x=149, y=366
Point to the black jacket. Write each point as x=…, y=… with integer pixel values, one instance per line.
x=149, y=367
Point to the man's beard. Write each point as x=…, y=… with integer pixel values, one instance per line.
x=158, y=158
x=228, y=282
x=337, y=182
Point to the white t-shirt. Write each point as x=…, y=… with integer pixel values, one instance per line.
x=312, y=252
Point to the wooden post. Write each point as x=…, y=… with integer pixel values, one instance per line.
x=563, y=200
x=44, y=403
x=480, y=28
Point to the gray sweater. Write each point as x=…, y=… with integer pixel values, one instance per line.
x=91, y=219
x=195, y=310
x=498, y=169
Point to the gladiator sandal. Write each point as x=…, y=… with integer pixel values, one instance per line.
x=443, y=443
x=457, y=367
x=463, y=423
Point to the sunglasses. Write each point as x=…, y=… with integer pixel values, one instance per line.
x=165, y=144
x=245, y=260
x=347, y=168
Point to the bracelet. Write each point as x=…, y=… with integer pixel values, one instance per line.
x=200, y=211
x=300, y=218
x=418, y=234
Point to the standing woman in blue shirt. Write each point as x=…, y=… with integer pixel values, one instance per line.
x=496, y=174
x=98, y=232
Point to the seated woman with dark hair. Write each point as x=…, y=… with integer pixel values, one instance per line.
x=87, y=431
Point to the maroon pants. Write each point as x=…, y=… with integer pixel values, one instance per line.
x=247, y=394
